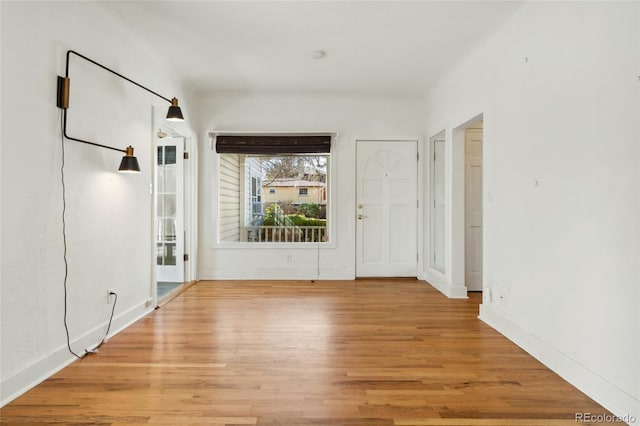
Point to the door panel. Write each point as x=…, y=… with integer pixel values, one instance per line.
x=400, y=233
x=372, y=251
x=473, y=210
x=386, y=208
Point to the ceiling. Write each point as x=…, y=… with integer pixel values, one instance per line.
x=390, y=47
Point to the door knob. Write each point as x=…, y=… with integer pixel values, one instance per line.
x=361, y=216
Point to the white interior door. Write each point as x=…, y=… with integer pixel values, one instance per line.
x=170, y=210
x=473, y=209
x=386, y=209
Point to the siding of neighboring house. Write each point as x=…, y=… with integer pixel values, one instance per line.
x=290, y=192
x=229, y=220
x=251, y=169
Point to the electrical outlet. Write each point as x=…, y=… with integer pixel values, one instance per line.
x=109, y=296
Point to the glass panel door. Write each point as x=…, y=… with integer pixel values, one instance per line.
x=169, y=210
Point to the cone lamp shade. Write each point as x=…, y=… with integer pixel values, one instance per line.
x=174, y=113
x=129, y=163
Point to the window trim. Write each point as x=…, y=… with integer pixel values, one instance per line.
x=331, y=199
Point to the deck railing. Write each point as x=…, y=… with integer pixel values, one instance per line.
x=286, y=234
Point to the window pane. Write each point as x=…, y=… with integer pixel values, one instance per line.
x=160, y=207
x=170, y=254
x=170, y=155
x=159, y=253
x=170, y=179
x=160, y=188
x=169, y=229
x=169, y=205
x=272, y=198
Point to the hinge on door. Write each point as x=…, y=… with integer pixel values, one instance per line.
x=186, y=257
x=417, y=203
x=417, y=156
x=185, y=155
x=434, y=156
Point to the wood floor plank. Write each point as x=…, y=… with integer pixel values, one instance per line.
x=365, y=352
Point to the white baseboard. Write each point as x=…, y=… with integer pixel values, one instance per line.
x=274, y=274
x=614, y=399
x=440, y=283
x=34, y=374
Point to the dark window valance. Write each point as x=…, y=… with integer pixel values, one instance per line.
x=273, y=144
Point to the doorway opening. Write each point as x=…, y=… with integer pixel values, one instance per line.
x=473, y=207
x=468, y=195
x=169, y=232
x=174, y=216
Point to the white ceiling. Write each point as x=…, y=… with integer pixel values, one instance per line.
x=392, y=47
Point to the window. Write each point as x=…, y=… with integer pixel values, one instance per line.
x=273, y=198
x=256, y=195
x=272, y=188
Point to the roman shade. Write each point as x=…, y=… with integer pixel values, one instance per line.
x=273, y=144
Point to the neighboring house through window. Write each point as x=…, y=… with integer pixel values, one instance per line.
x=272, y=198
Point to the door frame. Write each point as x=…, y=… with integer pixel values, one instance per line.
x=458, y=222
x=190, y=190
x=419, y=190
x=430, y=201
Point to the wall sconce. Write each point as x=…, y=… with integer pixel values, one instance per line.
x=129, y=161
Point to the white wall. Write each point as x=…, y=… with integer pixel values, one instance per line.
x=350, y=116
x=558, y=87
x=109, y=215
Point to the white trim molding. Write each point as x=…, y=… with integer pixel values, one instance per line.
x=32, y=375
x=619, y=402
x=441, y=283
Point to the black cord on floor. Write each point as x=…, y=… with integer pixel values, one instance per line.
x=113, y=309
x=64, y=239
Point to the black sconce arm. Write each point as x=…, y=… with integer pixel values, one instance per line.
x=69, y=52
x=174, y=112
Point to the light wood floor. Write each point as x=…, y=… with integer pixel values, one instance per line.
x=367, y=352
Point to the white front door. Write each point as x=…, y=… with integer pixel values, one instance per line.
x=170, y=210
x=386, y=209
x=473, y=209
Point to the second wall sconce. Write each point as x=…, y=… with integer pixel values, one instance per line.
x=129, y=162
